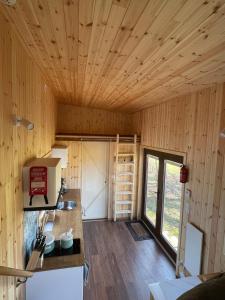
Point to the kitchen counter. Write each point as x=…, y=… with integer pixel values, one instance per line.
x=64, y=220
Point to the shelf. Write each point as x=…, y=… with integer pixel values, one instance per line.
x=39, y=208
x=5, y=271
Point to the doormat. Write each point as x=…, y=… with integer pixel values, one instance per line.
x=138, y=231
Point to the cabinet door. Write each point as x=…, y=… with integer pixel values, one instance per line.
x=56, y=284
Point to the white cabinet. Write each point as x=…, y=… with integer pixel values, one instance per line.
x=56, y=284
x=61, y=151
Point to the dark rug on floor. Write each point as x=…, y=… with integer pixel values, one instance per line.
x=138, y=231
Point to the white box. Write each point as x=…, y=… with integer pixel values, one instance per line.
x=61, y=151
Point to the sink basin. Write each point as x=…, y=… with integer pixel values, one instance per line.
x=66, y=205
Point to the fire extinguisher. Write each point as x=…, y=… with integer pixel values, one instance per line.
x=183, y=174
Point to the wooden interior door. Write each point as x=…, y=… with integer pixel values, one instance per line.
x=94, y=186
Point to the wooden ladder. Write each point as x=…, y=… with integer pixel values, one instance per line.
x=125, y=178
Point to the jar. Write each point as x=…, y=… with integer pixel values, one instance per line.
x=66, y=240
x=49, y=242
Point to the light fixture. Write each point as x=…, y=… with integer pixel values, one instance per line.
x=222, y=133
x=9, y=2
x=19, y=121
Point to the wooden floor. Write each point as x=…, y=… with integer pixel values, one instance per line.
x=121, y=268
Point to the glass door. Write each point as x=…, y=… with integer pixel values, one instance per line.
x=151, y=193
x=162, y=192
x=171, y=203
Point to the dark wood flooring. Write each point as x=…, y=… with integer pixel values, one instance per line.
x=121, y=268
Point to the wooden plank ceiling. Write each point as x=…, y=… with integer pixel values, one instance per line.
x=123, y=54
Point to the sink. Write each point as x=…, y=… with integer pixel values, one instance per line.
x=67, y=205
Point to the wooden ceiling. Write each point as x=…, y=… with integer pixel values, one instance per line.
x=123, y=54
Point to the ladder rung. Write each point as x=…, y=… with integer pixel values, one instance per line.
x=123, y=202
x=125, y=211
x=124, y=193
x=125, y=174
x=125, y=182
x=126, y=144
x=126, y=163
x=125, y=154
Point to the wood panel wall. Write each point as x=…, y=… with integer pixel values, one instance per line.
x=22, y=92
x=123, y=54
x=92, y=121
x=191, y=125
x=72, y=173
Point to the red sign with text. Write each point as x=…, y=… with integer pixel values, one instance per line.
x=38, y=181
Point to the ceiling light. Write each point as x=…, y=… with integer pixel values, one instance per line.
x=9, y=2
x=222, y=133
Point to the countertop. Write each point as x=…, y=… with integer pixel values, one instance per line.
x=64, y=220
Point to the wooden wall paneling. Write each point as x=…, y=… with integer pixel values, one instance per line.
x=73, y=172
x=85, y=23
x=100, y=17
x=167, y=60
x=93, y=121
x=23, y=91
x=219, y=231
x=71, y=13
x=131, y=17
x=199, y=156
x=216, y=238
x=7, y=234
x=112, y=27
x=119, y=55
x=200, y=164
x=137, y=123
x=191, y=125
x=31, y=39
x=189, y=137
x=209, y=170
x=169, y=133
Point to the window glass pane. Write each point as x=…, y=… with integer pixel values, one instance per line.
x=172, y=203
x=152, y=188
